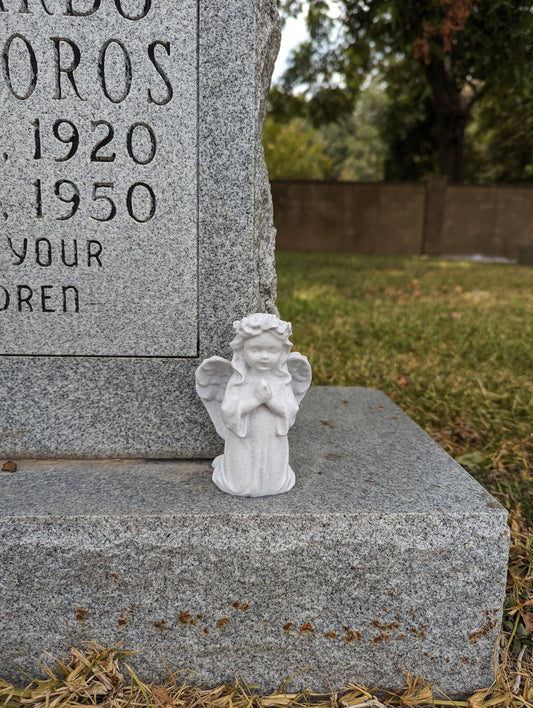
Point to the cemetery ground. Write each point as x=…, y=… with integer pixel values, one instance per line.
x=450, y=343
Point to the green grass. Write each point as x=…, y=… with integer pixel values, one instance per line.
x=450, y=342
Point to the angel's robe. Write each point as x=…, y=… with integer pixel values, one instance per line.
x=256, y=453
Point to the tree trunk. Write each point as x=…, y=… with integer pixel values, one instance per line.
x=451, y=128
x=452, y=112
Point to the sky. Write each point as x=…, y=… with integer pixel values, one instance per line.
x=293, y=33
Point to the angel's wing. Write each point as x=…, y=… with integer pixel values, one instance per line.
x=212, y=377
x=300, y=371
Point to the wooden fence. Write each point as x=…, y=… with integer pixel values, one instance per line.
x=433, y=218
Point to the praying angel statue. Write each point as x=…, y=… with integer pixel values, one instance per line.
x=253, y=402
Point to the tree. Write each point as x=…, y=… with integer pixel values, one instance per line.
x=350, y=148
x=500, y=145
x=459, y=49
x=295, y=150
x=408, y=125
x=355, y=142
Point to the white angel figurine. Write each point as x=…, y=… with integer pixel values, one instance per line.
x=253, y=402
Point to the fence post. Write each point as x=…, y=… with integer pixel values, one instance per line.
x=434, y=213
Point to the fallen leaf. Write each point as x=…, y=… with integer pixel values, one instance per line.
x=471, y=459
x=528, y=621
x=527, y=616
x=9, y=466
x=402, y=381
x=160, y=694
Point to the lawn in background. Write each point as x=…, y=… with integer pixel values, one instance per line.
x=451, y=342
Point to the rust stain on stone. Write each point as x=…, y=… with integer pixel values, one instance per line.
x=240, y=605
x=351, y=635
x=490, y=624
x=126, y=615
x=186, y=618
x=419, y=631
x=380, y=638
x=386, y=627
x=307, y=628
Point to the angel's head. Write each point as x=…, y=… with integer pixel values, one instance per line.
x=262, y=344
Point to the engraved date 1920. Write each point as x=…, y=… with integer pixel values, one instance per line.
x=139, y=140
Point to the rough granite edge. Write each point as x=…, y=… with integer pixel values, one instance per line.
x=268, y=38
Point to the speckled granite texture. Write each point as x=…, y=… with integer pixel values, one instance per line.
x=385, y=554
x=141, y=132
x=116, y=379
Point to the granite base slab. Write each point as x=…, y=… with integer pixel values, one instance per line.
x=386, y=554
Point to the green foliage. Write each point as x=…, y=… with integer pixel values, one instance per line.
x=295, y=150
x=351, y=148
x=454, y=50
x=408, y=125
x=500, y=138
x=355, y=143
x=325, y=69
x=284, y=106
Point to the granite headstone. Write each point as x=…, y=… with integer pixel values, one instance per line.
x=135, y=216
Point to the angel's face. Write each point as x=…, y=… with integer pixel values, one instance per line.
x=263, y=352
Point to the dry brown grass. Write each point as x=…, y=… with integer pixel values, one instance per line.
x=99, y=676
